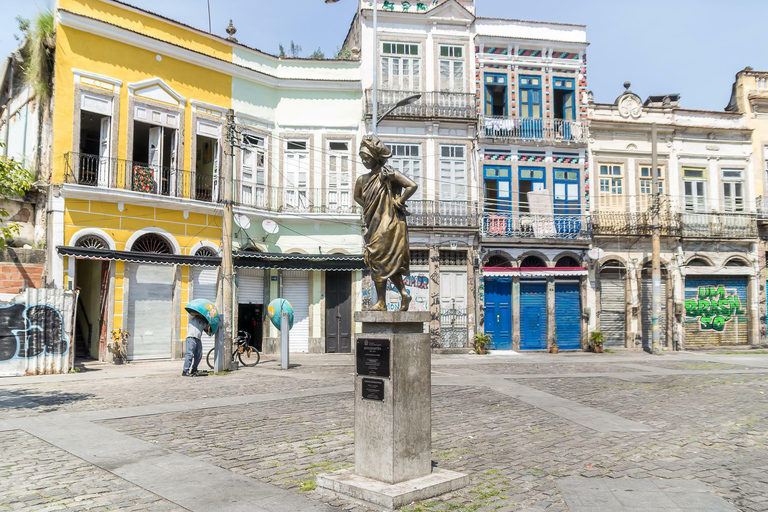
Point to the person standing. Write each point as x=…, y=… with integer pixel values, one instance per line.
x=196, y=326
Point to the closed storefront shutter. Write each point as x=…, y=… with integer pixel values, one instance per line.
x=612, y=307
x=568, y=315
x=646, y=310
x=533, y=316
x=150, y=311
x=250, y=286
x=204, y=287
x=715, y=311
x=296, y=291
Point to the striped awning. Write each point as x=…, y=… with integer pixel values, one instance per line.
x=534, y=271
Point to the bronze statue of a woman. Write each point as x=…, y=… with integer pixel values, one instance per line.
x=382, y=193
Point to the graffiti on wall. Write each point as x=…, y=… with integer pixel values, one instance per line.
x=29, y=331
x=417, y=286
x=714, y=307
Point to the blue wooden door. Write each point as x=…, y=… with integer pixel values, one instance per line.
x=568, y=315
x=498, y=312
x=533, y=308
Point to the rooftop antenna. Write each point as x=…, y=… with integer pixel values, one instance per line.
x=209, y=16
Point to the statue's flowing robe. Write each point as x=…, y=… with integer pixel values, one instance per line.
x=386, y=239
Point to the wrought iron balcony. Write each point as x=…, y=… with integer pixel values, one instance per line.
x=719, y=225
x=536, y=226
x=454, y=214
x=294, y=199
x=433, y=104
x=505, y=129
x=119, y=174
x=634, y=223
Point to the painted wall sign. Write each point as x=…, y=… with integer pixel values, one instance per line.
x=715, y=307
x=417, y=286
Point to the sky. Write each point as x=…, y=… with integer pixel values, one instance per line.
x=690, y=47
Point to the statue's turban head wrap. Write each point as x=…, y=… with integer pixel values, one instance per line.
x=375, y=149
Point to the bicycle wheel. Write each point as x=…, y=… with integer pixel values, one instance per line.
x=210, y=358
x=249, y=357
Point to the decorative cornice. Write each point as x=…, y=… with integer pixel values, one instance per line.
x=125, y=36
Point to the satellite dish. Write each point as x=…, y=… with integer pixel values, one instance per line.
x=270, y=227
x=242, y=221
x=596, y=253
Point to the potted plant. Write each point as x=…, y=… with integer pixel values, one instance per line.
x=119, y=345
x=481, y=341
x=596, y=339
x=553, y=348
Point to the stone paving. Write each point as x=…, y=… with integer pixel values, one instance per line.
x=709, y=425
x=35, y=475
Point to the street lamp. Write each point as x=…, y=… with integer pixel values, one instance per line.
x=401, y=103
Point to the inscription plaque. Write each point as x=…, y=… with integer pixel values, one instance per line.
x=373, y=389
x=372, y=357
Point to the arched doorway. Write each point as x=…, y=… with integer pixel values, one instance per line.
x=613, y=312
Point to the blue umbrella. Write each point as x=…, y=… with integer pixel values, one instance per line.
x=207, y=310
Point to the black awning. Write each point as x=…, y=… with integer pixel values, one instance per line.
x=139, y=257
x=243, y=259
x=279, y=261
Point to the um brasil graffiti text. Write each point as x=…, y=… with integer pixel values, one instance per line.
x=714, y=307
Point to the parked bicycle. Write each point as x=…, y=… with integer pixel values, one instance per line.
x=241, y=349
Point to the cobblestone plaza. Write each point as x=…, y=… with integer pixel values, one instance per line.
x=568, y=432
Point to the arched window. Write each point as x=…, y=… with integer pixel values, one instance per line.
x=612, y=266
x=736, y=262
x=92, y=242
x=698, y=262
x=251, y=248
x=532, y=261
x=206, y=252
x=152, y=243
x=567, y=261
x=498, y=261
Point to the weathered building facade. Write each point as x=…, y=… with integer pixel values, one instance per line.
x=708, y=225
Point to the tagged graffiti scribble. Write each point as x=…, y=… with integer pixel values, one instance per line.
x=31, y=331
x=714, y=307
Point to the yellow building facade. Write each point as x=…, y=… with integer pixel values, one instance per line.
x=139, y=127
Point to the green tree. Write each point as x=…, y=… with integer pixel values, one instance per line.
x=344, y=53
x=38, y=65
x=317, y=54
x=281, y=54
x=15, y=181
x=295, y=49
x=24, y=24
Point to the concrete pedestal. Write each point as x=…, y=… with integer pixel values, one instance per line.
x=393, y=420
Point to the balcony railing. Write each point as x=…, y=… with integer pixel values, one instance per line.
x=437, y=104
x=634, y=223
x=719, y=225
x=116, y=173
x=294, y=199
x=532, y=129
x=443, y=213
x=536, y=226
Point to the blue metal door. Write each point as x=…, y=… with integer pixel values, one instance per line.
x=498, y=312
x=568, y=315
x=533, y=308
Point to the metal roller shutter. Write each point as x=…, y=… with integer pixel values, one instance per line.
x=646, y=310
x=715, y=311
x=204, y=282
x=533, y=316
x=296, y=291
x=150, y=311
x=612, y=308
x=250, y=286
x=568, y=315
